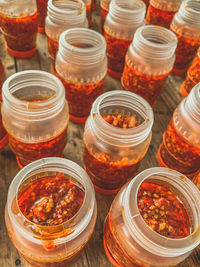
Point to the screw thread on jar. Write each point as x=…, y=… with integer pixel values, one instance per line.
x=86, y=49
x=156, y=43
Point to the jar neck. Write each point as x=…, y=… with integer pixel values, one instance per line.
x=170, y=6
x=192, y=104
x=123, y=103
x=33, y=95
x=44, y=168
x=83, y=47
x=156, y=43
x=70, y=12
x=142, y=233
x=189, y=13
x=127, y=12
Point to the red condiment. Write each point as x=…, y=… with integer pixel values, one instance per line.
x=193, y=76
x=94, y=4
x=52, y=49
x=177, y=153
x=163, y=210
x=42, y=12
x=196, y=180
x=28, y=152
x=20, y=34
x=116, y=51
x=113, y=174
x=159, y=17
x=185, y=52
x=147, y=86
x=50, y=200
x=80, y=97
x=89, y=13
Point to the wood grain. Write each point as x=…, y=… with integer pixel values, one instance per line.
x=93, y=255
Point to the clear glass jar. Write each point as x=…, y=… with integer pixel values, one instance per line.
x=88, y=5
x=104, y=4
x=123, y=19
x=162, y=12
x=19, y=25
x=192, y=77
x=42, y=12
x=180, y=149
x=130, y=241
x=81, y=64
x=62, y=15
x=3, y=133
x=35, y=115
x=149, y=60
x=113, y=152
x=50, y=245
x=186, y=26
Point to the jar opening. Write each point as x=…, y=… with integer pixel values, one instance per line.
x=186, y=194
x=73, y=7
x=49, y=199
x=193, y=5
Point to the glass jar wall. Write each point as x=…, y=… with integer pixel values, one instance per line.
x=116, y=137
x=50, y=212
x=35, y=115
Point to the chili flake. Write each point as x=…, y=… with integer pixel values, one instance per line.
x=196, y=180
x=104, y=13
x=163, y=210
x=52, y=49
x=50, y=200
x=42, y=11
x=159, y=17
x=116, y=52
x=145, y=85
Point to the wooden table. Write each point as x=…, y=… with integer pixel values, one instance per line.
x=93, y=254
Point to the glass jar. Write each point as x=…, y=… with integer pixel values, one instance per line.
x=116, y=137
x=104, y=4
x=192, y=77
x=35, y=115
x=62, y=15
x=19, y=26
x=149, y=60
x=162, y=12
x=123, y=19
x=180, y=149
x=3, y=133
x=43, y=243
x=42, y=12
x=186, y=26
x=81, y=64
x=130, y=241
x=88, y=5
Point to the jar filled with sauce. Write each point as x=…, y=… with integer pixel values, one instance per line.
x=180, y=149
x=81, y=64
x=19, y=25
x=149, y=60
x=3, y=133
x=35, y=115
x=123, y=19
x=153, y=221
x=62, y=15
x=186, y=26
x=104, y=4
x=116, y=137
x=42, y=12
x=50, y=212
x=162, y=12
x=192, y=77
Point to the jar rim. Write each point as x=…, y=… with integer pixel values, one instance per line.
x=148, y=238
x=82, y=217
x=136, y=134
x=15, y=82
x=138, y=6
